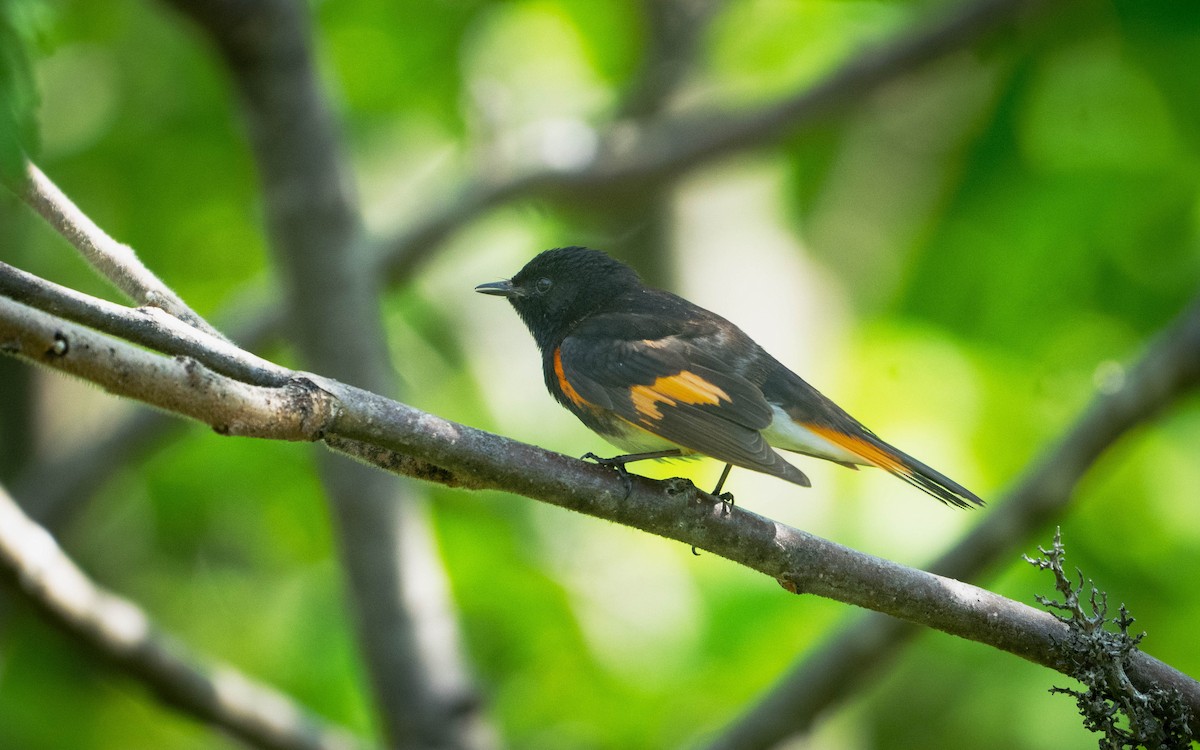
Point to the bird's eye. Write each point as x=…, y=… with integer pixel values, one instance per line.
x=543, y=285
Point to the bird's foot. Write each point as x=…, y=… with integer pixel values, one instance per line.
x=725, y=497
x=617, y=464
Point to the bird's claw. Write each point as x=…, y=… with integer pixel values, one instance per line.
x=726, y=499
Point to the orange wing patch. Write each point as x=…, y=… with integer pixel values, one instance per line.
x=684, y=387
x=567, y=389
x=870, y=453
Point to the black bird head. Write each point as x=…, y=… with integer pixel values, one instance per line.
x=560, y=287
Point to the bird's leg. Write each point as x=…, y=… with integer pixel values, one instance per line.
x=629, y=458
x=617, y=463
x=721, y=482
x=726, y=497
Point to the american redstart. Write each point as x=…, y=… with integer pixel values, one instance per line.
x=660, y=377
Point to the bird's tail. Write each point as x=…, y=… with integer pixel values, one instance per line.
x=875, y=452
x=931, y=481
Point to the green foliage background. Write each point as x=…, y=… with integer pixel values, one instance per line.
x=967, y=256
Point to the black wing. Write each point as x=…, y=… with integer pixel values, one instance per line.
x=671, y=389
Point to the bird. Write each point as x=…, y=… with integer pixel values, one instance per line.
x=660, y=377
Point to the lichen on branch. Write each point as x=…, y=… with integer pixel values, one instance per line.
x=1098, y=657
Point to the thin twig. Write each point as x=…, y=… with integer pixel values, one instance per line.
x=148, y=326
x=123, y=633
x=111, y=259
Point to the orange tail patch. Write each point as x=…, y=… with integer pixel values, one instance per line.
x=909, y=469
x=869, y=452
x=899, y=465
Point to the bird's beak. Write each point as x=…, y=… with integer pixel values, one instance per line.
x=500, y=289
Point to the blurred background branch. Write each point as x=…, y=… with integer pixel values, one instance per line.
x=658, y=148
x=410, y=646
x=121, y=632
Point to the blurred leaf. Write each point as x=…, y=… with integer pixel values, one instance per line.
x=765, y=48
x=611, y=34
x=399, y=58
x=1088, y=109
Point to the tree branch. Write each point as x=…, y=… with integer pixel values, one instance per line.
x=673, y=508
x=121, y=632
x=148, y=326
x=178, y=384
x=675, y=35
x=52, y=488
x=1169, y=369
